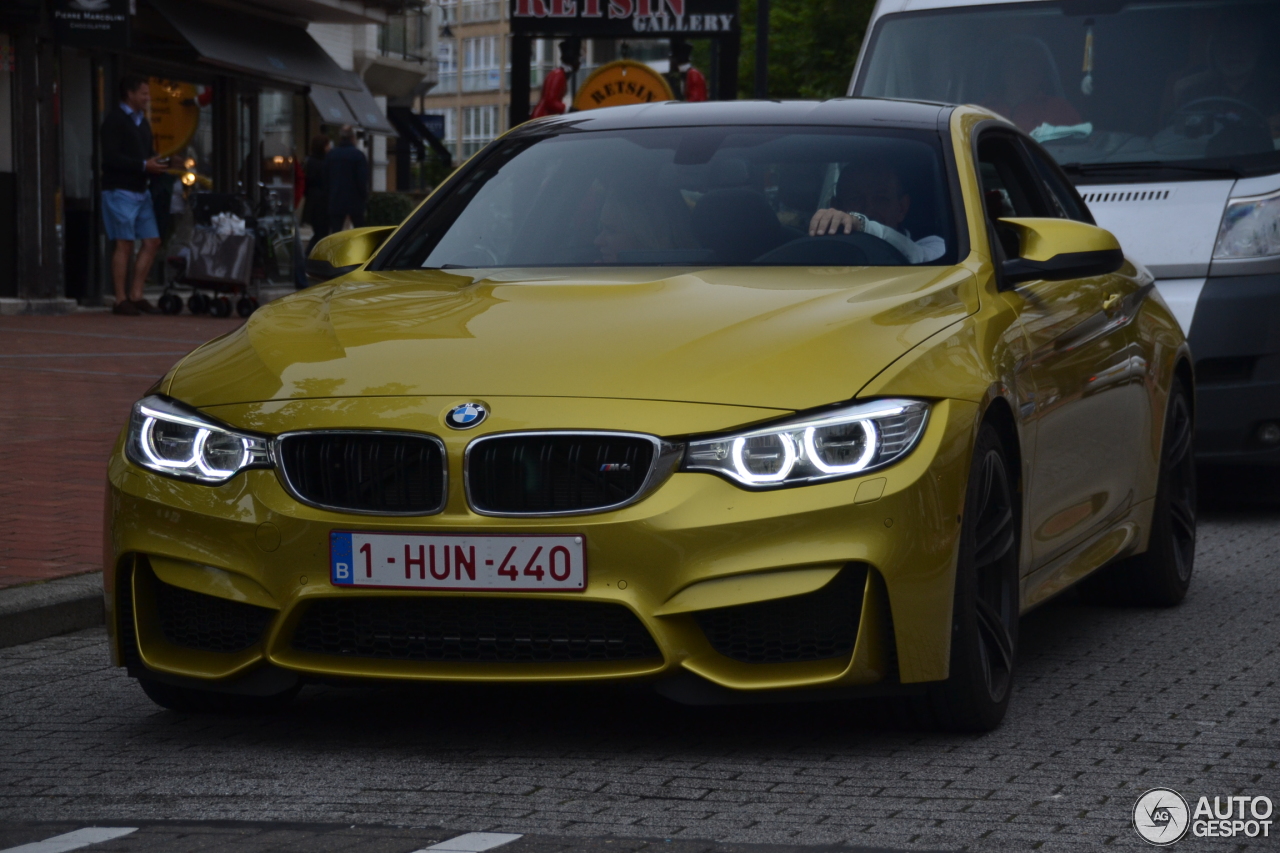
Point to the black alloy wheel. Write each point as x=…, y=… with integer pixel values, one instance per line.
x=984, y=630
x=1161, y=575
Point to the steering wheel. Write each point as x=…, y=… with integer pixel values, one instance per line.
x=1219, y=105
x=835, y=250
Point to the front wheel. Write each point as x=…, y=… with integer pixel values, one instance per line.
x=984, y=629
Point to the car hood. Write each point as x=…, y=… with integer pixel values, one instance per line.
x=788, y=338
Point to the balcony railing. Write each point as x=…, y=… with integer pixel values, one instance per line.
x=481, y=80
x=476, y=11
x=406, y=36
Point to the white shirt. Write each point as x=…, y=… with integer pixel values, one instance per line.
x=915, y=251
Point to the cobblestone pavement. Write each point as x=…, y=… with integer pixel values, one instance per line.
x=67, y=384
x=1108, y=703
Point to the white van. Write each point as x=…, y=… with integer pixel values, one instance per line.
x=1165, y=114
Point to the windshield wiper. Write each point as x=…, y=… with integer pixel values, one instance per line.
x=1148, y=166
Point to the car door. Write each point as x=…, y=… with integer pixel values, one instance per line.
x=1084, y=415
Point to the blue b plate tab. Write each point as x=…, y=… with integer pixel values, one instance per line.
x=340, y=573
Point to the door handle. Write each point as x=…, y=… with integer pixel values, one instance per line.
x=1111, y=301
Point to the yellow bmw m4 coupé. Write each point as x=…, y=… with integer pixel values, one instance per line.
x=745, y=400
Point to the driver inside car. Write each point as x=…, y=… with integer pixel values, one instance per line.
x=869, y=198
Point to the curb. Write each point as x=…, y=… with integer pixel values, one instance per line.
x=40, y=610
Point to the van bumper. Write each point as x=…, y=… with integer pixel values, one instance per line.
x=1235, y=339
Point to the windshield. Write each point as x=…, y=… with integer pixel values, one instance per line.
x=1170, y=86
x=700, y=196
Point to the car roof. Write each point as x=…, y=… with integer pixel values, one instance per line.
x=852, y=112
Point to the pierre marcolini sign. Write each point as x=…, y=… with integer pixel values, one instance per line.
x=92, y=23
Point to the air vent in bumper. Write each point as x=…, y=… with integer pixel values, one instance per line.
x=499, y=630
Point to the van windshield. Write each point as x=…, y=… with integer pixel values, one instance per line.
x=1171, y=89
x=690, y=196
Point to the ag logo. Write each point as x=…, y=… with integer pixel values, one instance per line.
x=1161, y=816
x=466, y=416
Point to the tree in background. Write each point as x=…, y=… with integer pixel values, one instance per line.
x=813, y=45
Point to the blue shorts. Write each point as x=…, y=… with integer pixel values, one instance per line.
x=128, y=215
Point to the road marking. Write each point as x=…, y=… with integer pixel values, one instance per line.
x=472, y=842
x=76, y=840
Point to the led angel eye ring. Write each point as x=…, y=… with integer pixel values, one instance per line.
x=147, y=442
x=788, y=461
x=868, y=452
x=215, y=473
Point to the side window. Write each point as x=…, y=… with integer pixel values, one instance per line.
x=1062, y=196
x=1008, y=187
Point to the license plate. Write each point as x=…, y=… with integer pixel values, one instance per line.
x=442, y=561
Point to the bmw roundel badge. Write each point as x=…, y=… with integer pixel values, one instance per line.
x=466, y=416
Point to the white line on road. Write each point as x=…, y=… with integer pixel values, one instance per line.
x=75, y=840
x=472, y=842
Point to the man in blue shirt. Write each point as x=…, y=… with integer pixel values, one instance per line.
x=128, y=161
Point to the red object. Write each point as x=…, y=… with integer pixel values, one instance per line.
x=205, y=98
x=695, y=85
x=299, y=183
x=554, y=88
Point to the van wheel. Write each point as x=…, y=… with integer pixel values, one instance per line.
x=1161, y=575
x=984, y=629
x=190, y=700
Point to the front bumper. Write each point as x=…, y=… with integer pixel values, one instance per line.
x=1235, y=338
x=692, y=548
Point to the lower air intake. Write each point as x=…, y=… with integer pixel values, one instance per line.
x=816, y=626
x=473, y=630
x=194, y=620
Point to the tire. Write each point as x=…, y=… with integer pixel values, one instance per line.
x=246, y=306
x=1161, y=575
x=984, y=627
x=220, y=307
x=170, y=303
x=189, y=700
x=197, y=303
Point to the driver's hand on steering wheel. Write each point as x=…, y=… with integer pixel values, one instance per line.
x=832, y=221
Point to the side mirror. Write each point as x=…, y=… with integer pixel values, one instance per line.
x=1058, y=249
x=339, y=254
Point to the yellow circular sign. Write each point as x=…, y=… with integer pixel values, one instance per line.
x=621, y=83
x=174, y=115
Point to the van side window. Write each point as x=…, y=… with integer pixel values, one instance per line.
x=1008, y=187
x=1062, y=196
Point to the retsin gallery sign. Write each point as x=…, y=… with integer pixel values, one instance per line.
x=625, y=18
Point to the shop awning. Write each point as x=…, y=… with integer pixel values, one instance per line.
x=253, y=45
x=331, y=107
x=365, y=109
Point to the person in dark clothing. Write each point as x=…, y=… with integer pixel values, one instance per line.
x=346, y=175
x=128, y=161
x=315, y=210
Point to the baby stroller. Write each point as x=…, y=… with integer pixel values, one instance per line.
x=217, y=262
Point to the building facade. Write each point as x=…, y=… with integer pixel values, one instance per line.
x=238, y=90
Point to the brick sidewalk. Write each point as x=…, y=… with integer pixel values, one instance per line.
x=67, y=384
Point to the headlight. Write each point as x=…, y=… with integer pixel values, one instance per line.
x=171, y=439
x=1250, y=228
x=845, y=442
